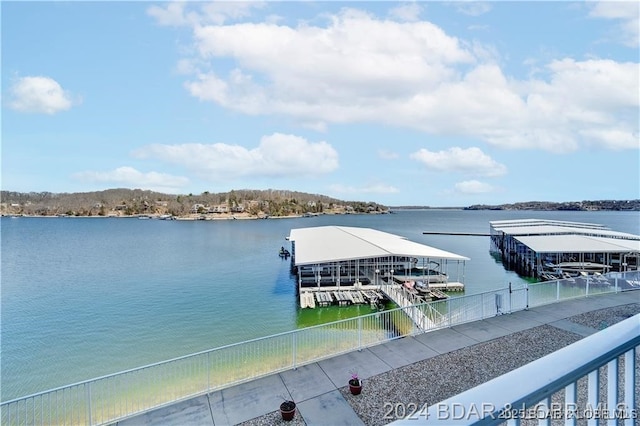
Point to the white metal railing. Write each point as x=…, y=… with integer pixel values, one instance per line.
x=547, y=389
x=109, y=398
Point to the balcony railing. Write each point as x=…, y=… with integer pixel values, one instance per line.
x=110, y=398
x=546, y=391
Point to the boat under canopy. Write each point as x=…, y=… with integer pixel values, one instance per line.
x=549, y=249
x=335, y=258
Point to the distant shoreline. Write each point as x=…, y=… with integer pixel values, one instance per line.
x=190, y=217
x=244, y=204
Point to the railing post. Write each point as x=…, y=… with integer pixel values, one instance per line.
x=570, y=395
x=88, y=394
x=526, y=296
x=629, y=384
x=557, y=290
x=593, y=392
x=359, y=333
x=294, y=347
x=612, y=388
x=208, y=371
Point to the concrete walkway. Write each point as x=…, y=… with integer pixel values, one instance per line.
x=315, y=387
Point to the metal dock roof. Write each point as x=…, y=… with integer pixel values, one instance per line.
x=578, y=244
x=552, y=236
x=325, y=244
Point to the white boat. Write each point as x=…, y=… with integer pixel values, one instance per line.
x=577, y=267
x=429, y=275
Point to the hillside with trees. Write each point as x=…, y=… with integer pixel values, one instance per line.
x=615, y=205
x=241, y=203
x=131, y=202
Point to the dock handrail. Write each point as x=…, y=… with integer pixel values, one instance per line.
x=525, y=393
x=110, y=398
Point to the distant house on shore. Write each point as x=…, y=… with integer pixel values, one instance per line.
x=197, y=208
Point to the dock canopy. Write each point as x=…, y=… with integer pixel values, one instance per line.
x=578, y=244
x=535, y=247
x=327, y=244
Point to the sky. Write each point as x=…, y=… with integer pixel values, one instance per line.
x=418, y=103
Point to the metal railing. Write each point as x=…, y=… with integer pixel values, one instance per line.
x=591, y=381
x=113, y=397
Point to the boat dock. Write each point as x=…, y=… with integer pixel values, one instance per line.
x=372, y=294
x=345, y=266
x=550, y=249
x=311, y=298
x=454, y=286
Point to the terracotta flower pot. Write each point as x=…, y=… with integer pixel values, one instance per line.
x=288, y=410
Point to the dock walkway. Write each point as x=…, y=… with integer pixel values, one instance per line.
x=342, y=296
x=319, y=389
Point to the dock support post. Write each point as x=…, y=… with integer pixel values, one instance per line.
x=587, y=286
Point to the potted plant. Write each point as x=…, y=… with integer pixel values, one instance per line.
x=287, y=409
x=355, y=384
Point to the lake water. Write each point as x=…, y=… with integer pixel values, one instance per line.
x=85, y=297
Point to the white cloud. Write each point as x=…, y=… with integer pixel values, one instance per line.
x=388, y=155
x=343, y=73
x=477, y=27
x=172, y=14
x=130, y=177
x=218, y=12
x=375, y=188
x=409, y=12
x=472, y=7
x=277, y=155
x=559, y=110
x=614, y=139
x=473, y=187
x=470, y=161
x=627, y=13
x=360, y=68
x=186, y=67
x=39, y=95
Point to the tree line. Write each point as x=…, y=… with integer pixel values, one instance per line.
x=615, y=205
x=271, y=202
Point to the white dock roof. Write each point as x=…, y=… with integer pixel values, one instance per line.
x=504, y=224
x=578, y=244
x=534, y=227
x=326, y=244
x=553, y=236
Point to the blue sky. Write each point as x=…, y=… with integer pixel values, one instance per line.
x=401, y=103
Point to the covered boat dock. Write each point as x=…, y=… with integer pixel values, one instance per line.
x=344, y=265
x=549, y=249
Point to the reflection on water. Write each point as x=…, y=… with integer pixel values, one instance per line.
x=310, y=317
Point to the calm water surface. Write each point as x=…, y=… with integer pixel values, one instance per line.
x=84, y=297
